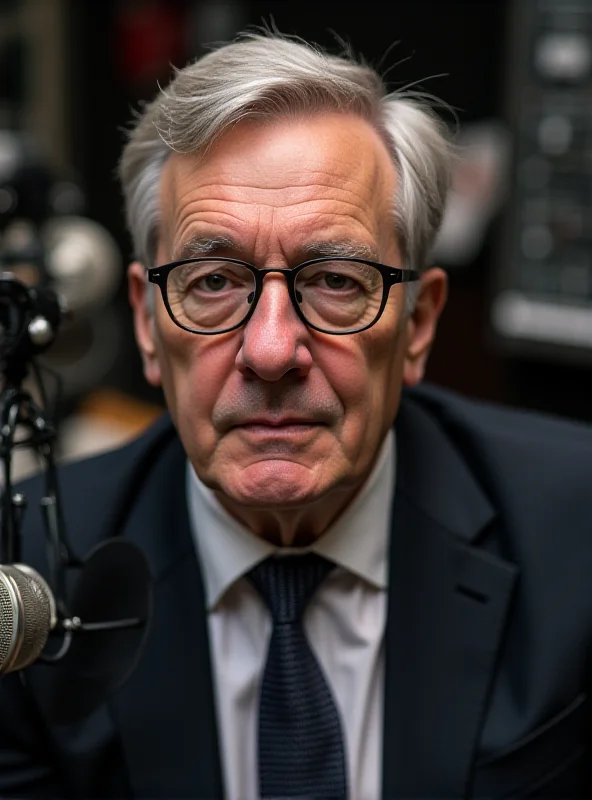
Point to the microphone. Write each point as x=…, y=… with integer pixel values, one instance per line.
x=103, y=636
x=27, y=615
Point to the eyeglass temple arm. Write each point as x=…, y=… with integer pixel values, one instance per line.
x=405, y=275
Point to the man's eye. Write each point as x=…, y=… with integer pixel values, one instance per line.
x=335, y=281
x=213, y=283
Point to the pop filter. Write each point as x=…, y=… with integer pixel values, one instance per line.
x=114, y=585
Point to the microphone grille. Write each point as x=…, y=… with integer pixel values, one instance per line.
x=28, y=611
x=7, y=621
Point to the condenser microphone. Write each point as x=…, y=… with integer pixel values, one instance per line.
x=105, y=631
x=27, y=616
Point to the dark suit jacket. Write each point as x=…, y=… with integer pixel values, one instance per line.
x=488, y=632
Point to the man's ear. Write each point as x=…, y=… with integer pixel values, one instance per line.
x=144, y=326
x=422, y=322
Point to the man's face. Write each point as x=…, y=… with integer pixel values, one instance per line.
x=274, y=415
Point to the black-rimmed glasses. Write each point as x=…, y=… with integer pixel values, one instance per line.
x=330, y=295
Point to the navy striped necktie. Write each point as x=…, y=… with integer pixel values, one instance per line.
x=301, y=746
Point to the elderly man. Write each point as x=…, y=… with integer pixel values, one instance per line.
x=362, y=589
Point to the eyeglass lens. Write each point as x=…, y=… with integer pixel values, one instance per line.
x=212, y=296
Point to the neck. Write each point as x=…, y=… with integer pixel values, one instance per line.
x=294, y=526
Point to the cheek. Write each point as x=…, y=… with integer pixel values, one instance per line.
x=386, y=346
x=366, y=374
x=194, y=370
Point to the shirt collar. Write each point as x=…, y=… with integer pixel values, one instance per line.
x=357, y=541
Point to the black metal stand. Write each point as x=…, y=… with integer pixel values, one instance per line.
x=21, y=416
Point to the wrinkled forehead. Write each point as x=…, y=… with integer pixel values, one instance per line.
x=293, y=176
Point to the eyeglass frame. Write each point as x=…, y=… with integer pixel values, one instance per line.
x=391, y=276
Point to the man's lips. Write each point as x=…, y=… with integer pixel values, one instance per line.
x=288, y=430
x=285, y=422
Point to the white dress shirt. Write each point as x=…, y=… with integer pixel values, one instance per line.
x=344, y=623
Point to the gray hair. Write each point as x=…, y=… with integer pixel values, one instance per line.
x=267, y=76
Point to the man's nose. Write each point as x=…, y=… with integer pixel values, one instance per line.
x=275, y=340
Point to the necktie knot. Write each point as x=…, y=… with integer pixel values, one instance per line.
x=287, y=583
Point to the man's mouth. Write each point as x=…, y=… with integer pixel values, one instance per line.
x=275, y=428
x=277, y=422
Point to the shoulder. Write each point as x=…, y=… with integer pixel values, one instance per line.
x=108, y=466
x=96, y=491
x=534, y=469
x=502, y=429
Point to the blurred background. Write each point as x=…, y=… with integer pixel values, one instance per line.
x=517, y=236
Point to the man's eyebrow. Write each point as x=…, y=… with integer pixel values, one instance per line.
x=198, y=246
x=345, y=248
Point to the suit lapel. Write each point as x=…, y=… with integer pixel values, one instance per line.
x=165, y=712
x=448, y=602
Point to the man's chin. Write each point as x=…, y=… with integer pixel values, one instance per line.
x=272, y=483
